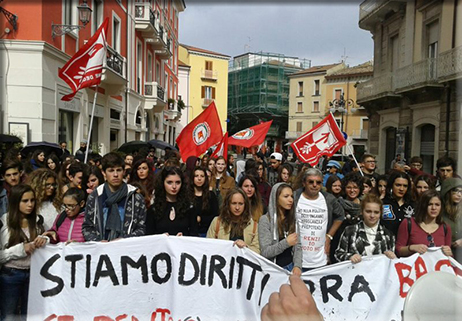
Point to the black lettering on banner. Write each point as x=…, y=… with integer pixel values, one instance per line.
x=310, y=285
x=203, y=269
x=88, y=270
x=73, y=259
x=218, y=269
x=44, y=271
x=141, y=263
x=255, y=267
x=109, y=272
x=231, y=272
x=360, y=285
x=264, y=281
x=332, y=290
x=154, y=271
x=181, y=273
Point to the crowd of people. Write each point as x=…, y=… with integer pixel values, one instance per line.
x=298, y=216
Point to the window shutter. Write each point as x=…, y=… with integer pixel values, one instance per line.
x=213, y=92
x=203, y=92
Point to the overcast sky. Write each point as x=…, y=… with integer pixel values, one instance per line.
x=307, y=29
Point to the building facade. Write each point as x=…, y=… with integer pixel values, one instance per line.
x=259, y=91
x=414, y=98
x=139, y=79
x=208, y=81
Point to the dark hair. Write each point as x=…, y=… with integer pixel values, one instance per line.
x=416, y=159
x=427, y=179
x=75, y=168
x=330, y=181
x=363, y=158
x=183, y=202
x=422, y=207
x=205, y=188
x=446, y=161
x=63, y=179
x=375, y=189
x=232, y=225
x=15, y=217
x=111, y=160
x=286, y=223
x=62, y=141
x=148, y=182
x=256, y=204
x=394, y=175
x=76, y=193
x=56, y=160
x=93, y=170
x=353, y=177
x=35, y=155
x=263, y=176
x=9, y=164
x=289, y=168
x=371, y=198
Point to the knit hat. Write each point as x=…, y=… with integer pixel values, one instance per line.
x=333, y=163
x=449, y=184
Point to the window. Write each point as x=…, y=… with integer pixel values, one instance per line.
x=149, y=73
x=314, y=124
x=338, y=94
x=208, y=65
x=300, y=88
x=158, y=73
x=97, y=14
x=66, y=128
x=432, y=40
x=394, y=53
x=171, y=87
x=299, y=107
x=208, y=95
x=114, y=114
x=139, y=67
x=299, y=126
x=316, y=88
x=138, y=118
x=316, y=106
x=116, y=34
x=70, y=13
x=166, y=82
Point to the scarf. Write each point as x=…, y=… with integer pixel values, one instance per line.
x=113, y=222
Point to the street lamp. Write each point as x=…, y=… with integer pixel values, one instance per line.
x=84, y=17
x=11, y=17
x=341, y=105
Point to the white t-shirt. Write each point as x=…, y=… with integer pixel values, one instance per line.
x=312, y=220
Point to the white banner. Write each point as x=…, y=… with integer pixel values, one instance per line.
x=185, y=278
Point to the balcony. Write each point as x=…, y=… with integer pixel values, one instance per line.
x=377, y=87
x=165, y=51
x=373, y=11
x=206, y=102
x=417, y=75
x=114, y=71
x=450, y=64
x=293, y=135
x=147, y=21
x=209, y=75
x=172, y=113
x=154, y=97
x=359, y=134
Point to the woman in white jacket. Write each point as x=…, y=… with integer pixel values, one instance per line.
x=20, y=236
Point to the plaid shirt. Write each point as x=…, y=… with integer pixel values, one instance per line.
x=354, y=241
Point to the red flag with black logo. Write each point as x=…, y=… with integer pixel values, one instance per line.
x=85, y=68
x=324, y=139
x=200, y=134
x=222, y=147
x=251, y=136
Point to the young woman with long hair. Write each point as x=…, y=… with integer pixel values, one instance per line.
x=20, y=235
x=48, y=196
x=172, y=211
x=380, y=188
x=205, y=201
x=263, y=187
x=334, y=186
x=249, y=185
x=235, y=222
x=285, y=174
x=221, y=182
x=94, y=178
x=426, y=229
x=451, y=193
x=276, y=229
x=421, y=184
x=53, y=163
x=37, y=161
x=143, y=172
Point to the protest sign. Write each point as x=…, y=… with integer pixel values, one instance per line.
x=187, y=278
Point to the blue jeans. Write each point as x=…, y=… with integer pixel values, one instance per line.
x=14, y=287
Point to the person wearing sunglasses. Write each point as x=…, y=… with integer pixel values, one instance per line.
x=318, y=215
x=426, y=229
x=451, y=193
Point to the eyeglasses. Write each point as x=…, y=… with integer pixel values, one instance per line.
x=457, y=191
x=430, y=240
x=371, y=161
x=311, y=181
x=54, y=185
x=70, y=207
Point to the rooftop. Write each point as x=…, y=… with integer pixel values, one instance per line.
x=361, y=69
x=205, y=51
x=316, y=69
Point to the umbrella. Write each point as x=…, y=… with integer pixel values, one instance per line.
x=47, y=147
x=133, y=146
x=161, y=144
x=4, y=138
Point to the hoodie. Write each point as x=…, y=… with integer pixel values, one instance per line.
x=268, y=234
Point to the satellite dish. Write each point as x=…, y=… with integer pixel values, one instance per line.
x=434, y=296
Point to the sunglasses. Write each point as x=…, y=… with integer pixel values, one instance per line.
x=310, y=181
x=431, y=241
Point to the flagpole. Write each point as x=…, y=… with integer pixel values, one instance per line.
x=91, y=124
x=353, y=154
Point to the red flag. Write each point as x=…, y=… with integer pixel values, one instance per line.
x=85, y=68
x=251, y=136
x=200, y=134
x=324, y=139
x=222, y=147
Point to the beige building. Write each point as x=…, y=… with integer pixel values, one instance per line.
x=414, y=98
x=308, y=98
x=341, y=101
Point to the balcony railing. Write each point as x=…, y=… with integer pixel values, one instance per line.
x=153, y=90
x=422, y=72
x=146, y=20
x=375, y=87
x=371, y=11
x=207, y=101
x=450, y=64
x=115, y=62
x=209, y=74
x=360, y=134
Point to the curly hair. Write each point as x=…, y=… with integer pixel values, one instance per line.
x=394, y=175
x=256, y=204
x=205, y=188
x=235, y=225
x=353, y=177
x=37, y=180
x=183, y=203
x=148, y=182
